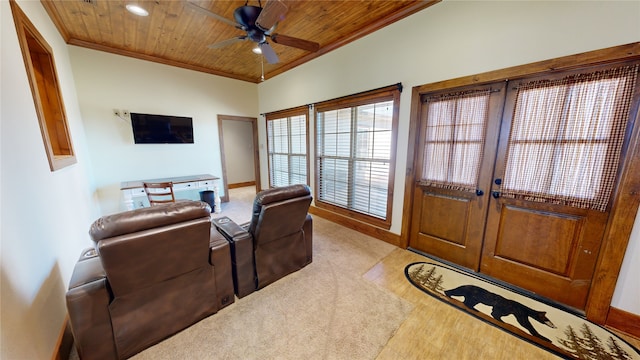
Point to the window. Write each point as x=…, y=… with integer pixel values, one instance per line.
x=41, y=71
x=454, y=139
x=287, y=147
x=566, y=137
x=355, y=154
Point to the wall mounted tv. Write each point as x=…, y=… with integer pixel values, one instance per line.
x=161, y=129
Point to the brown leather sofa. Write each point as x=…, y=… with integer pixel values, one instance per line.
x=277, y=241
x=153, y=272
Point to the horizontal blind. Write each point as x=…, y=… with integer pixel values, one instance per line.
x=454, y=139
x=287, y=149
x=566, y=138
x=298, y=153
x=354, y=156
x=278, y=150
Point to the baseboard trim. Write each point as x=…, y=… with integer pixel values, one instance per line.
x=373, y=231
x=242, y=184
x=624, y=321
x=64, y=343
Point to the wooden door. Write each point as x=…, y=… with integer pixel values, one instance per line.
x=545, y=248
x=459, y=135
x=555, y=172
x=536, y=213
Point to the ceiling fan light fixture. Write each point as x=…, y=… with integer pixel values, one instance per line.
x=137, y=10
x=258, y=23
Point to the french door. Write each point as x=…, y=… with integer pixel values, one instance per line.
x=535, y=212
x=459, y=138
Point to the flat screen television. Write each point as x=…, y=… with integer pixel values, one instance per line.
x=161, y=129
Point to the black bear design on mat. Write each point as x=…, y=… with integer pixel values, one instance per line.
x=501, y=307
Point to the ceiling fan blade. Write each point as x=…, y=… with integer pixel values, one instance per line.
x=224, y=43
x=272, y=12
x=268, y=53
x=295, y=42
x=214, y=15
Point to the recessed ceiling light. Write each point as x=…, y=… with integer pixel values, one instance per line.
x=135, y=9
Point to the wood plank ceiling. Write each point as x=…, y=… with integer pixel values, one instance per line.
x=177, y=34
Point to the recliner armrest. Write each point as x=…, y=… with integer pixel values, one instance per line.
x=220, y=259
x=88, y=301
x=229, y=228
x=308, y=237
x=244, y=273
x=87, y=270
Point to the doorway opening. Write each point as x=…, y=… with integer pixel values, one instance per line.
x=238, y=137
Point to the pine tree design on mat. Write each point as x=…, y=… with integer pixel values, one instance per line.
x=547, y=325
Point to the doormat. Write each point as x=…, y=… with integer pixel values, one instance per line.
x=550, y=327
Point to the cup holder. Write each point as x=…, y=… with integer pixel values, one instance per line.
x=90, y=253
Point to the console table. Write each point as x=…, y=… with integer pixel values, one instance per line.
x=134, y=189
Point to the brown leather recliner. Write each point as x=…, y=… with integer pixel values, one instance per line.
x=277, y=241
x=154, y=272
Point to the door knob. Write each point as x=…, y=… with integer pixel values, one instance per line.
x=495, y=194
x=497, y=181
x=479, y=192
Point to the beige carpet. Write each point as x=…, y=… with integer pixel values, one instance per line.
x=325, y=311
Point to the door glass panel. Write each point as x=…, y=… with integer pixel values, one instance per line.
x=566, y=138
x=454, y=139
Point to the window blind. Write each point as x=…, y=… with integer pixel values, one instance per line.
x=355, y=154
x=287, y=148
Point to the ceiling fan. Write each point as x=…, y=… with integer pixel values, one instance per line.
x=259, y=24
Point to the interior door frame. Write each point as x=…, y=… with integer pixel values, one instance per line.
x=626, y=197
x=256, y=152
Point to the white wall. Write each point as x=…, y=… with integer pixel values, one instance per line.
x=627, y=294
x=449, y=40
x=106, y=82
x=44, y=215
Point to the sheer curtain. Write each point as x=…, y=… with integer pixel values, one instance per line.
x=454, y=139
x=566, y=138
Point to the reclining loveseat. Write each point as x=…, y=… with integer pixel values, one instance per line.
x=153, y=272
